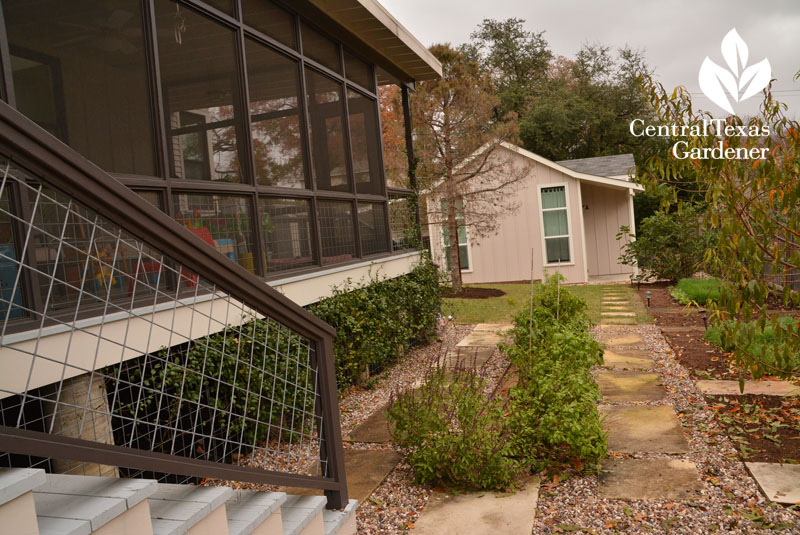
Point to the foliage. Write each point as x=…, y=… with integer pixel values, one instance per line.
x=456, y=436
x=453, y=435
x=457, y=142
x=699, y=291
x=753, y=203
x=668, y=245
x=375, y=321
x=763, y=340
x=553, y=413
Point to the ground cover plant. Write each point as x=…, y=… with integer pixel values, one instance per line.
x=697, y=291
x=457, y=435
x=760, y=339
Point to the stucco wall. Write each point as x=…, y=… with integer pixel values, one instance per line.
x=605, y=211
x=506, y=256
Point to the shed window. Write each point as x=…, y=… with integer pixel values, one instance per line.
x=555, y=224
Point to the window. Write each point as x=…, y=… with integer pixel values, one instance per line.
x=555, y=224
x=319, y=48
x=463, y=242
x=287, y=233
x=222, y=221
x=198, y=76
x=80, y=71
x=268, y=18
x=336, y=229
x=274, y=117
x=328, y=148
x=364, y=143
x=372, y=227
x=358, y=71
x=10, y=290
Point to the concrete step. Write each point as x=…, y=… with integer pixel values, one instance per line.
x=341, y=522
x=17, y=507
x=73, y=505
x=255, y=513
x=302, y=515
x=179, y=509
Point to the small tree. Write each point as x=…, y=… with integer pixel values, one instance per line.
x=457, y=141
x=667, y=245
x=754, y=205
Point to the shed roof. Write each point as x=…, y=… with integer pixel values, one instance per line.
x=618, y=165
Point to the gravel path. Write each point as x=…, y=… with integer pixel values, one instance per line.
x=732, y=503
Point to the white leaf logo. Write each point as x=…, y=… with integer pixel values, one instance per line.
x=741, y=82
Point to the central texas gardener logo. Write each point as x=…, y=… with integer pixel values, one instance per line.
x=741, y=82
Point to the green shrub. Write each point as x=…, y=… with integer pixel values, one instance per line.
x=760, y=343
x=667, y=246
x=374, y=321
x=453, y=435
x=700, y=291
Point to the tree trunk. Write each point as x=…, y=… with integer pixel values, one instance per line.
x=454, y=256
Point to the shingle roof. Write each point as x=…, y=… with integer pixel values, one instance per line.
x=616, y=165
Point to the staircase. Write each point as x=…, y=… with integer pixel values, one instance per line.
x=35, y=503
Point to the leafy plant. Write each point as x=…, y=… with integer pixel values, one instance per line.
x=761, y=340
x=378, y=321
x=667, y=245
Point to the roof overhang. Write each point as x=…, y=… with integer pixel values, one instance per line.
x=402, y=54
x=615, y=183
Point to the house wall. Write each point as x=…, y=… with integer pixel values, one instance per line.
x=605, y=210
x=506, y=256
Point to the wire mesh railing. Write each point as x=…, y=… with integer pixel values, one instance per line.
x=131, y=348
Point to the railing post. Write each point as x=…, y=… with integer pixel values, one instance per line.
x=331, y=449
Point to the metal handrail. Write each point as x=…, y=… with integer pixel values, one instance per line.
x=62, y=168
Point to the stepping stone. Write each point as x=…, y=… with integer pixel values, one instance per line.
x=480, y=513
x=620, y=314
x=762, y=388
x=650, y=479
x=643, y=429
x=624, y=340
x=627, y=359
x=493, y=327
x=374, y=429
x=470, y=356
x=365, y=469
x=780, y=483
x=619, y=321
x=617, y=307
x=630, y=386
x=480, y=339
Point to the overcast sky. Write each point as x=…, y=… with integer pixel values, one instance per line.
x=675, y=35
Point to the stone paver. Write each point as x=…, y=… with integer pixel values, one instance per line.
x=472, y=356
x=650, y=479
x=617, y=314
x=493, y=327
x=632, y=359
x=480, y=339
x=616, y=307
x=484, y=513
x=623, y=340
x=779, y=482
x=630, y=386
x=365, y=469
x=643, y=429
x=375, y=429
x=763, y=388
x=618, y=321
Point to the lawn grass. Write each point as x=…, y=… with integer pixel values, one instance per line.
x=698, y=291
x=502, y=309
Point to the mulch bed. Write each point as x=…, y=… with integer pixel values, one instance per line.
x=468, y=292
x=765, y=428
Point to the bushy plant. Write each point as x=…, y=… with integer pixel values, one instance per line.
x=699, y=291
x=760, y=343
x=667, y=245
x=453, y=435
x=375, y=320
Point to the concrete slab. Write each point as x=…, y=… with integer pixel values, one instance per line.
x=365, y=469
x=493, y=327
x=630, y=386
x=617, y=314
x=468, y=356
x=779, y=482
x=763, y=388
x=616, y=307
x=650, y=479
x=375, y=429
x=480, y=339
x=643, y=429
x=627, y=359
x=622, y=339
x=484, y=513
